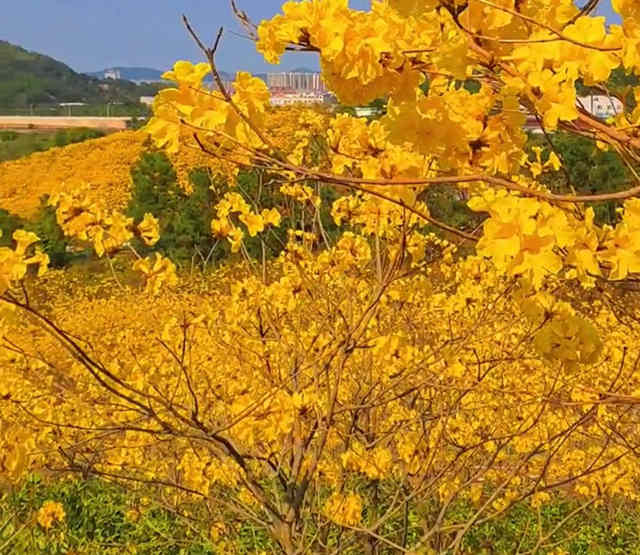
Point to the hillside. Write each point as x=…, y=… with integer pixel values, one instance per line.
x=29, y=79
x=103, y=164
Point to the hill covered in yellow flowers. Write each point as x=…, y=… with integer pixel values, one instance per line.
x=101, y=164
x=101, y=167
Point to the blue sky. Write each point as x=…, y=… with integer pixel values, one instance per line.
x=90, y=35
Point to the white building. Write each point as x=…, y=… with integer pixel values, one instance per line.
x=296, y=97
x=598, y=105
x=147, y=100
x=366, y=111
x=112, y=74
x=70, y=105
x=296, y=81
x=601, y=106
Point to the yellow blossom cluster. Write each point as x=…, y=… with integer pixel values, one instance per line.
x=106, y=230
x=223, y=123
x=18, y=445
x=344, y=509
x=233, y=204
x=14, y=262
x=529, y=237
x=207, y=380
x=360, y=52
x=50, y=513
x=110, y=231
x=458, y=130
x=157, y=272
x=229, y=129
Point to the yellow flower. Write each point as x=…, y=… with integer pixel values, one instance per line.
x=186, y=73
x=540, y=498
x=235, y=237
x=149, y=230
x=217, y=530
x=221, y=227
x=50, y=513
x=344, y=509
x=627, y=8
x=271, y=217
x=23, y=240
x=132, y=515
x=158, y=273
x=14, y=263
x=250, y=91
x=254, y=223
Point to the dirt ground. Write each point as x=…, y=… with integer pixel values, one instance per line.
x=61, y=122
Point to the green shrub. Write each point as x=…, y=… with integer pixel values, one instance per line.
x=106, y=518
x=185, y=233
x=52, y=238
x=588, y=170
x=100, y=518
x=7, y=136
x=18, y=145
x=8, y=224
x=65, y=137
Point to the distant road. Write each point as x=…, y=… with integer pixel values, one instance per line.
x=61, y=122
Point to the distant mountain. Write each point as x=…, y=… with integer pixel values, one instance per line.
x=32, y=79
x=150, y=75
x=147, y=74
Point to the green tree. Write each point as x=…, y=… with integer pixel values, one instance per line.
x=52, y=238
x=448, y=204
x=185, y=233
x=8, y=224
x=587, y=170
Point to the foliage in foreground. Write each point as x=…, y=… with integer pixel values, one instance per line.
x=374, y=387
x=100, y=517
x=226, y=327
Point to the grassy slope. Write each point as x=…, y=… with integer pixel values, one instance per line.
x=17, y=145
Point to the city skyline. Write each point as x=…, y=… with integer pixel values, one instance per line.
x=295, y=80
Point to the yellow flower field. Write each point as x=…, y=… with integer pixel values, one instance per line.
x=384, y=380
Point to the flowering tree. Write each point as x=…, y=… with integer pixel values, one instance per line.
x=348, y=395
